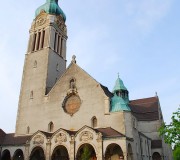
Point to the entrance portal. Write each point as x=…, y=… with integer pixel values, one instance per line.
x=156, y=156
x=114, y=152
x=18, y=155
x=37, y=154
x=86, y=152
x=6, y=155
x=60, y=152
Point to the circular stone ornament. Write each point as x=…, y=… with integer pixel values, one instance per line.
x=71, y=104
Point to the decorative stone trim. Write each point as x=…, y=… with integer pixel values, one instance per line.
x=61, y=137
x=86, y=136
x=38, y=139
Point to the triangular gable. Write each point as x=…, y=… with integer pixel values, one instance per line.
x=38, y=133
x=86, y=128
x=73, y=64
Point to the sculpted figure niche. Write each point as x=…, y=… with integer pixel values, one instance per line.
x=72, y=101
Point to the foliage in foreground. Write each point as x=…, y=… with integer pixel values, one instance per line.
x=86, y=155
x=171, y=132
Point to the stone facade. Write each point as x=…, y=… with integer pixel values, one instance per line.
x=64, y=113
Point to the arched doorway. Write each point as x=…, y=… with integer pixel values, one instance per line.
x=18, y=155
x=86, y=152
x=114, y=152
x=60, y=152
x=130, y=152
x=6, y=155
x=156, y=156
x=37, y=154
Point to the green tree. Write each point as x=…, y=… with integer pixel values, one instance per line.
x=171, y=132
x=86, y=155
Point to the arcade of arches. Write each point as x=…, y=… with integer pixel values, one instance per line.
x=73, y=145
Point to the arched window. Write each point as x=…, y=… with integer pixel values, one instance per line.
x=28, y=130
x=31, y=95
x=72, y=84
x=94, y=122
x=35, y=64
x=50, y=127
x=57, y=67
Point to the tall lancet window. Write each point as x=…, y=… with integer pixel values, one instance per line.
x=94, y=122
x=31, y=95
x=28, y=130
x=35, y=64
x=34, y=42
x=50, y=127
x=42, y=40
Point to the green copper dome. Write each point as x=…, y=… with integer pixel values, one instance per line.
x=118, y=104
x=119, y=85
x=51, y=7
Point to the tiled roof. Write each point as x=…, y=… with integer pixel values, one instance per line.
x=110, y=132
x=106, y=91
x=10, y=139
x=156, y=144
x=145, y=109
x=47, y=134
x=2, y=135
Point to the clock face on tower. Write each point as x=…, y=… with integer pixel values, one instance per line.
x=71, y=104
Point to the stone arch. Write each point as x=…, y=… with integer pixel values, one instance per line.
x=6, y=155
x=18, y=155
x=94, y=122
x=114, y=152
x=130, y=152
x=88, y=150
x=37, y=154
x=156, y=156
x=60, y=152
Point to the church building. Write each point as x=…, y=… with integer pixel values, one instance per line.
x=65, y=114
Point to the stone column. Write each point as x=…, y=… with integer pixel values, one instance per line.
x=72, y=149
x=125, y=156
x=99, y=147
x=26, y=152
x=48, y=150
x=0, y=152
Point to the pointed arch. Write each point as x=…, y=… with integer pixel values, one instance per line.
x=18, y=155
x=86, y=151
x=113, y=151
x=37, y=154
x=6, y=155
x=94, y=122
x=156, y=156
x=60, y=152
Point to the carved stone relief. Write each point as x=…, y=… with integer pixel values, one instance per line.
x=86, y=136
x=61, y=137
x=40, y=21
x=38, y=139
x=60, y=23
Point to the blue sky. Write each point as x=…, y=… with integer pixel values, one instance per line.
x=140, y=39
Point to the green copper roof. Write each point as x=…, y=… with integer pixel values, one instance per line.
x=51, y=7
x=119, y=85
x=118, y=104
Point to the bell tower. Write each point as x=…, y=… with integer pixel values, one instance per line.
x=45, y=61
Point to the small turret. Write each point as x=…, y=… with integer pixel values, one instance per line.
x=121, y=90
x=120, y=100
